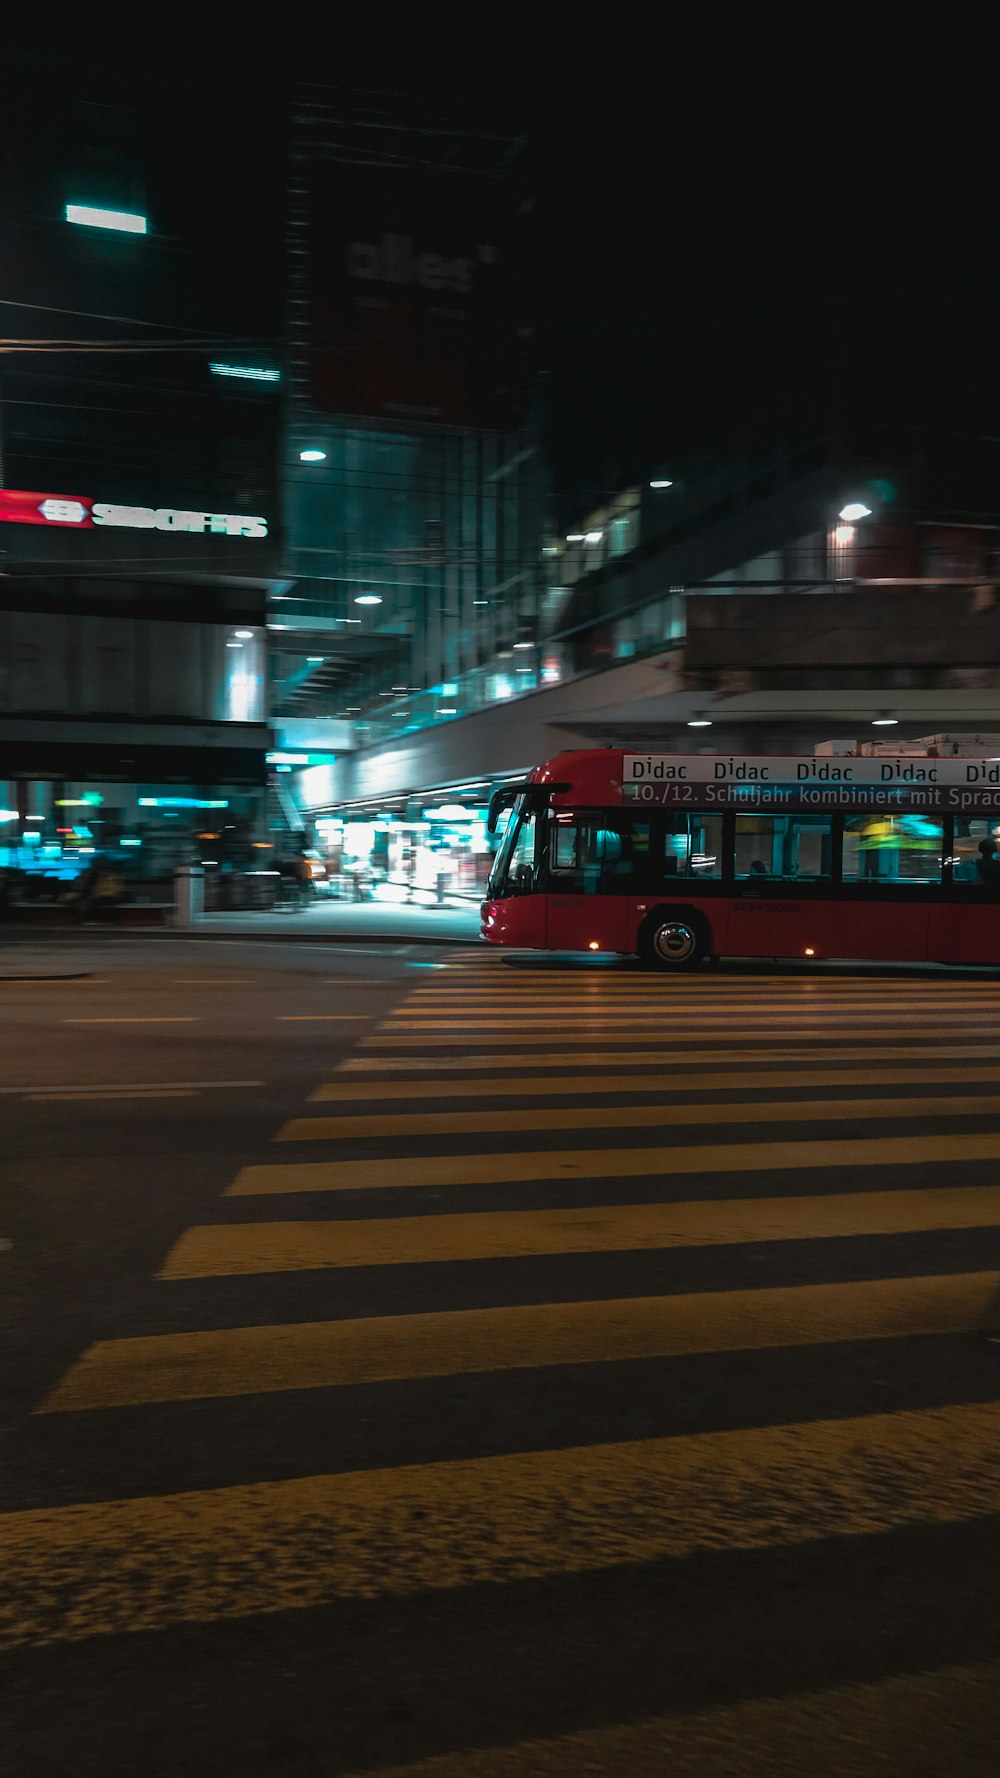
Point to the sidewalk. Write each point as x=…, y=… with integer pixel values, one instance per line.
x=379, y=922
x=57, y=949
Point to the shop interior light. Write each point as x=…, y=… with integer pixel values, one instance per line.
x=312, y=456
x=123, y=222
x=248, y=373
x=855, y=509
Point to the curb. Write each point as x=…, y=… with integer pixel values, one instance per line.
x=154, y=933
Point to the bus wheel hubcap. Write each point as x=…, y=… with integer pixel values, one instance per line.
x=675, y=943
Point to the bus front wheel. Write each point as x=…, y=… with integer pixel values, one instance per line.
x=673, y=938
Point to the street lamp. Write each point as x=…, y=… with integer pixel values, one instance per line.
x=854, y=510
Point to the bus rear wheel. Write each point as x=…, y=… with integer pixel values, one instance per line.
x=674, y=939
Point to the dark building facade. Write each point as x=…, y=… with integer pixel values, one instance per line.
x=139, y=415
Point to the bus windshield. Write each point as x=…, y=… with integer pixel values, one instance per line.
x=513, y=871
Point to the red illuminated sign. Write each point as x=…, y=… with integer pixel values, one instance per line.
x=86, y=514
x=45, y=509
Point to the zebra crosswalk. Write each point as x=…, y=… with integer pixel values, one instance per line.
x=535, y=1172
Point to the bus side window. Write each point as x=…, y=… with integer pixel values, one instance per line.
x=790, y=848
x=890, y=849
x=692, y=846
x=602, y=854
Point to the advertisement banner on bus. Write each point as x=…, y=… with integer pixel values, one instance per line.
x=810, y=781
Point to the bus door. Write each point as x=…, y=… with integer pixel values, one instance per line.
x=596, y=875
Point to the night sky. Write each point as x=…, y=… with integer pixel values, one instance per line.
x=719, y=235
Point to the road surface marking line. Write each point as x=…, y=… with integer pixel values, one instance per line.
x=210, y=981
x=941, y=1721
x=558, y=1165
x=430, y=999
x=680, y=1057
x=529, y=1086
x=139, y=1086
x=219, y=1250
x=328, y=1354
x=313, y=1018
x=171, y=1020
x=522, y=1036
x=137, y=1093
x=662, y=1017
x=141, y=1564
x=512, y=1121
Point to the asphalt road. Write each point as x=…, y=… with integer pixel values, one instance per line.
x=431, y=1363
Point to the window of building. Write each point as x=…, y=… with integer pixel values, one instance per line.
x=894, y=849
x=784, y=848
x=621, y=534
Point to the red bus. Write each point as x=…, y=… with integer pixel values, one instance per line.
x=679, y=858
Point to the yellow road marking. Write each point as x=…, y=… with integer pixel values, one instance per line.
x=217, y=1250
x=172, y=1020
x=324, y=1354
x=599, y=1018
x=142, y=1564
x=618, y=1163
x=942, y=1721
x=433, y=1000
x=528, y=1086
x=914, y=1051
x=523, y=1033
x=312, y=1018
x=512, y=1122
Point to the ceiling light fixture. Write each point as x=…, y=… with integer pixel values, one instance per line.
x=368, y=599
x=699, y=722
x=312, y=456
x=855, y=509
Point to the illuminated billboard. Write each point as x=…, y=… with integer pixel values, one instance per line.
x=412, y=317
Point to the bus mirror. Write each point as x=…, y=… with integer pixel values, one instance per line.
x=504, y=798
